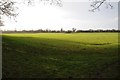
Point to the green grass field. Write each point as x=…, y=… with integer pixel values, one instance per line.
x=60, y=55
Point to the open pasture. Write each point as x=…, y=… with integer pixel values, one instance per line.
x=60, y=55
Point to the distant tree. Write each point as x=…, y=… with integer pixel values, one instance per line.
x=61, y=30
x=90, y=30
x=73, y=29
x=39, y=30
x=46, y=30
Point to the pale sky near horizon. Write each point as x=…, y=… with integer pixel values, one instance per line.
x=71, y=14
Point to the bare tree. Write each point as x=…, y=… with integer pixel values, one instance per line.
x=96, y=4
x=7, y=7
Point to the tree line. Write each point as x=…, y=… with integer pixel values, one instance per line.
x=73, y=30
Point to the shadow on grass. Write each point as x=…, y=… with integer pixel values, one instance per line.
x=51, y=58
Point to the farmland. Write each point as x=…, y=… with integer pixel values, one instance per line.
x=60, y=55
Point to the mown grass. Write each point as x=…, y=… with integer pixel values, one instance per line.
x=60, y=55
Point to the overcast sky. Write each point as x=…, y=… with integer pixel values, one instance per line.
x=71, y=14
